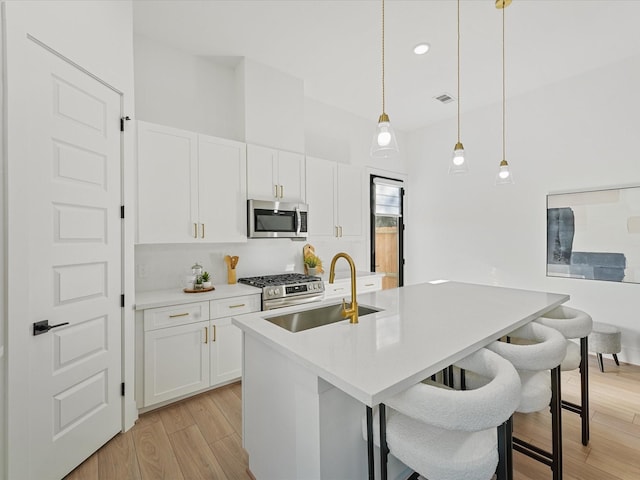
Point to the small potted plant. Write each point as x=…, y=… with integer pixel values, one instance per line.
x=311, y=261
x=206, y=280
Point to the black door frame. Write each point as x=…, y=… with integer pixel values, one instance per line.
x=372, y=227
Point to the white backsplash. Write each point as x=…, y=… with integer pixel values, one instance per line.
x=165, y=266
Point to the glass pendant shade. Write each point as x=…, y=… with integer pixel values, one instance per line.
x=458, y=163
x=504, y=176
x=384, y=143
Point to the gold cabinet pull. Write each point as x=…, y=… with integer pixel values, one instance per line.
x=237, y=306
x=195, y=230
x=206, y=335
x=281, y=191
x=340, y=231
x=214, y=334
x=275, y=189
x=179, y=315
x=202, y=229
x=337, y=231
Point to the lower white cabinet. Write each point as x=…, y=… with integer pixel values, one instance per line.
x=226, y=351
x=176, y=362
x=342, y=288
x=191, y=347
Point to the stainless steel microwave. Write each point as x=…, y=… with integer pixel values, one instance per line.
x=276, y=219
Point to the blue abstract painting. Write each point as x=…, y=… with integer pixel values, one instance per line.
x=594, y=235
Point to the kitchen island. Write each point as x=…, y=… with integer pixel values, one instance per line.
x=304, y=393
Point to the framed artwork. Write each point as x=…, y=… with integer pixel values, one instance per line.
x=594, y=235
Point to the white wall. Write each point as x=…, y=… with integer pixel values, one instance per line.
x=186, y=91
x=97, y=36
x=576, y=134
x=315, y=128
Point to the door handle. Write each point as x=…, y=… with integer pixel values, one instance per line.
x=206, y=335
x=202, y=229
x=195, y=230
x=43, y=326
x=281, y=191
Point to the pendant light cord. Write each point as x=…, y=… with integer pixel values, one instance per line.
x=383, y=99
x=458, y=71
x=504, y=157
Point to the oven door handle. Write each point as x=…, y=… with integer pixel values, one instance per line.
x=290, y=302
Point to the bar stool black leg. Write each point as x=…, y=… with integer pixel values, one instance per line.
x=505, y=451
x=556, y=424
x=384, y=450
x=370, y=443
x=615, y=358
x=600, y=363
x=584, y=388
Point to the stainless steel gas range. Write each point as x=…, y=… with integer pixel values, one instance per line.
x=287, y=289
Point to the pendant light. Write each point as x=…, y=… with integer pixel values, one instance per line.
x=459, y=164
x=504, y=176
x=384, y=143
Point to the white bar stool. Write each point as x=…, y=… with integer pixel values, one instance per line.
x=544, y=350
x=574, y=323
x=447, y=434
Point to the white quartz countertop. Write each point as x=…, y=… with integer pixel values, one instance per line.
x=420, y=330
x=175, y=296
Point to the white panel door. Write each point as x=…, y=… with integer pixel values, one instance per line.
x=167, y=185
x=222, y=199
x=74, y=264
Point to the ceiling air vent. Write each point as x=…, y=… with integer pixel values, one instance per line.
x=445, y=98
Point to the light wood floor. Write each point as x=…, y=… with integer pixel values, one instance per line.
x=199, y=438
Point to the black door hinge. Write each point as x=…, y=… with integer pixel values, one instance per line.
x=121, y=211
x=122, y=389
x=122, y=120
x=122, y=300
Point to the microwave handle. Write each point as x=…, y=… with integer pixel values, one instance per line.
x=298, y=221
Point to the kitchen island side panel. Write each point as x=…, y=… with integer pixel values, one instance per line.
x=298, y=426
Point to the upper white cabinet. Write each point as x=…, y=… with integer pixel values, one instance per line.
x=334, y=195
x=191, y=187
x=275, y=174
x=222, y=190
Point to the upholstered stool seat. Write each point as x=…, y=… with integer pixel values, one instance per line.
x=534, y=350
x=605, y=339
x=447, y=434
x=574, y=324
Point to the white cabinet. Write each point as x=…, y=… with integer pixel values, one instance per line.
x=334, y=195
x=275, y=174
x=225, y=356
x=222, y=190
x=342, y=288
x=176, y=362
x=191, y=187
x=191, y=347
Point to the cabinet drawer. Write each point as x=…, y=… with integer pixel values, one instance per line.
x=368, y=284
x=235, y=306
x=155, y=318
x=341, y=288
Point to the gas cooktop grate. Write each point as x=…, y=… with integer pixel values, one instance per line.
x=279, y=279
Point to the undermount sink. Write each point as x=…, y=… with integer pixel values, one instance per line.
x=297, y=322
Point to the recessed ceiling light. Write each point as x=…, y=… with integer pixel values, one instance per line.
x=421, y=48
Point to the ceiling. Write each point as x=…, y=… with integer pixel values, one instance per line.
x=335, y=46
